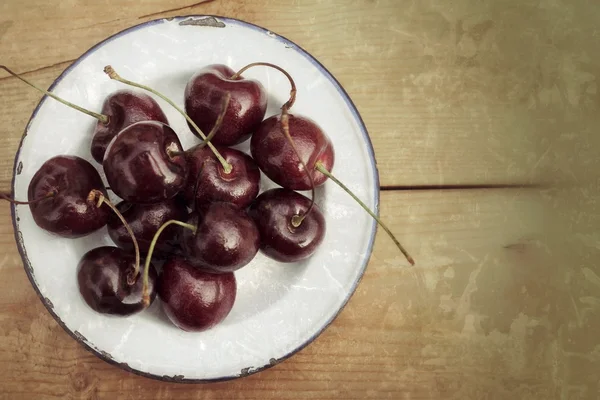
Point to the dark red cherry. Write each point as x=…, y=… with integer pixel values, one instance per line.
x=102, y=276
x=123, y=108
x=226, y=238
x=143, y=163
x=207, y=181
x=204, y=98
x=69, y=212
x=144, y=220
x=275, y=156
x=273, y=211
x=192, y=299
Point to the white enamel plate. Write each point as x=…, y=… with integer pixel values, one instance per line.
x=280, y=308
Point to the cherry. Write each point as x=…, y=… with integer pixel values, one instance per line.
x=207, y=181
x=144, y=164
x=144, y=220
x=109, y=277
x=219, y=237
x=123, y=108
x=225, y=238
x=120, y=109
x=192, y=299
x=274, y=211
x=203, y=96
x=277, y=158
x=58, y=197
x=102, y=276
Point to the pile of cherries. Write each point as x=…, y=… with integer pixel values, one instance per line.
x=196, y=211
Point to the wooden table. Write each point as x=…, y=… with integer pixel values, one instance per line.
x=484, y=116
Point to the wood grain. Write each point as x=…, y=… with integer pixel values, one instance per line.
x=450, y=328
x=504, y=300
x=480, y=92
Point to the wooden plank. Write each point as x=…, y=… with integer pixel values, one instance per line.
x=475, y=93
x=503, y=302
x=488, y=312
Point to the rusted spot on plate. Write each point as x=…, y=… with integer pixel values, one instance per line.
x=175, y=378
x=248, y=371
x=24, y=253
x=105, y=354
x=79, y=337
x=208, y=21
x=19, y=167
x=48, y=303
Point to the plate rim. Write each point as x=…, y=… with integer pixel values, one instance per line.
x=211, y=18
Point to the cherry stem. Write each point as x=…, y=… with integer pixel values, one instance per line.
x=319, y=166
x=6, y=197
x=100, y=117
x=285, y=126
x=145, y=294
x=108, y=70
x=214, y=129
x=96, y=195
x=292, y=99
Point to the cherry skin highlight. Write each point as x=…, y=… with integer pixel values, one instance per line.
x=276, y=157
x=144, y=163
x=68, y=212
x=144, y=220
x=226, y=238
x=123, y=108
x=273, y=212
x=203, y=102
x=207, y=181
x=102, y=277
x=195, y=300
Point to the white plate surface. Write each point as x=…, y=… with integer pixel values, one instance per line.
x=280, y=308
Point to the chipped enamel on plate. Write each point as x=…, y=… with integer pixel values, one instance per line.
x=279, y=308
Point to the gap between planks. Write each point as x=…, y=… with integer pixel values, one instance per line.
x=461, y=187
